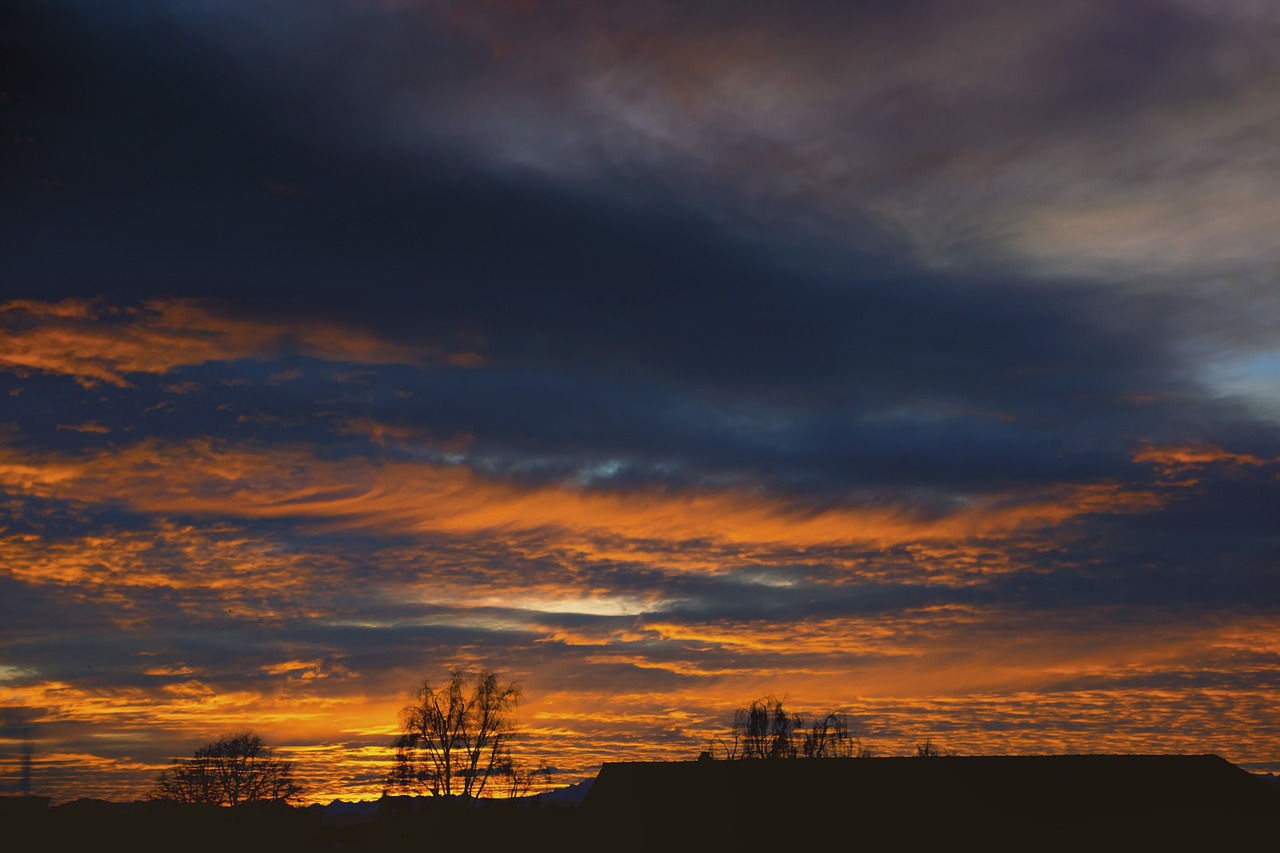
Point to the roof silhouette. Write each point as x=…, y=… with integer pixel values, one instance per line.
x=1005, y=800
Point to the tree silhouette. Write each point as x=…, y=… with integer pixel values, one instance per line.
x=830, y=737
x=927, y=750
x=453, y=739
x=235, y=769
x=518, y=778
x=766, y=729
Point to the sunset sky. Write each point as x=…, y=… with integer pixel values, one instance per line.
x=917, y=360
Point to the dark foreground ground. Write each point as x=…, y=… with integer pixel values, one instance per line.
x=145, y=827
x=725, y=806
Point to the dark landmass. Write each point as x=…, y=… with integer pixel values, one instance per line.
x=1007, y=803
x=1067, y=802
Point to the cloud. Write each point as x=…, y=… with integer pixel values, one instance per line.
x=87, y=426
x=908, y=360
x=1180, y=459
x=98, y=343
x=205, y=478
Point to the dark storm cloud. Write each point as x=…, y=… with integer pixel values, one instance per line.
x=569, y=281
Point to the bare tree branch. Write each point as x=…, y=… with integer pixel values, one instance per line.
x=765, y=729
x=454, y=738
x=235, y=769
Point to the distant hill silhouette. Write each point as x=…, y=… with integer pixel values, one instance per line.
x=569, y=795
x=1060, y=802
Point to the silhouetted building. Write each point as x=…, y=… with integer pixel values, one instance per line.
x=1059, y=802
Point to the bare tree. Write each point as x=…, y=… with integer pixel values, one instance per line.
x=765, y=729
x=235, y=769
x=520, y=778
x=927, y=750
x=830, y=737
x=453, y=739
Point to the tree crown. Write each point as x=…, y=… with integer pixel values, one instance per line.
x=455, y=737
x=237, y=768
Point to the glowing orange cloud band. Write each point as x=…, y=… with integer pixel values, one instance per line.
x=99, y=343
x=290, y=482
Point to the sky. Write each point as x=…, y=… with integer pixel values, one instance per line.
x=916, y=361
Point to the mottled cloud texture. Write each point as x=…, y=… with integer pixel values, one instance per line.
x=915, y=360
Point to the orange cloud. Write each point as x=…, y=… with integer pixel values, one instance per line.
x=88, y=426
x=953, y=676
x=206, y=477
x=1176, y=460
x=97, y=343
x=976, y=679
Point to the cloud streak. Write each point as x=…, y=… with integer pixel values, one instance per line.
x=98, y=343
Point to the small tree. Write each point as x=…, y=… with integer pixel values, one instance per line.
x=236, y=769
x=519, y=779
x=830, y=738
x=765, y=729
x=453, y=739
